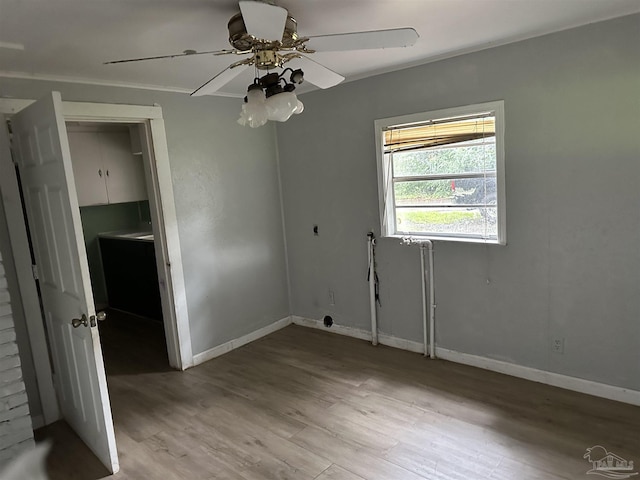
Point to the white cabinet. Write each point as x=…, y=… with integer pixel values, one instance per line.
x=105, y=169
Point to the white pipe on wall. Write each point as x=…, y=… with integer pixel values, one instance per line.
x=424, y=299
x=428, y=320
x=432, y=303
x=371, y=242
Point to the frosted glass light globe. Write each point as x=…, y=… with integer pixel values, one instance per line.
x=281, y=106
x=254, y=111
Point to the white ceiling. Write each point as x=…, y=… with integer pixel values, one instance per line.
x=70, y=39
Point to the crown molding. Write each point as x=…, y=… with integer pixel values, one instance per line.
x=103, y=83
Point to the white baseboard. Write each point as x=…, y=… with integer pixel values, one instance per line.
x=402, y=344
x=581, y=385
x=589, y=387
x=335, y=328
x=383, y=338
x=239, y=342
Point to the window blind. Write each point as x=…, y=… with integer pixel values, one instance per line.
x=439, y=132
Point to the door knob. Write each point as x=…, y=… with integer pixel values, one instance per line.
x=76, y=322
x=99, y=316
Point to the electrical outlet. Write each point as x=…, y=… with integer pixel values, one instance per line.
x=557, y=345
x=332, y=298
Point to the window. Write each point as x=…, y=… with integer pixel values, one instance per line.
x=441, y=174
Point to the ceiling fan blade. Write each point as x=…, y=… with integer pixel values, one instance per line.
x=316, y=73
x=393, y=38
x=263, y=21
x=220, y=80
x=186, y=53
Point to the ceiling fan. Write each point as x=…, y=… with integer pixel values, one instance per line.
x=267, y=35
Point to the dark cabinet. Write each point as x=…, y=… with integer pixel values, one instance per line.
x=131, y=276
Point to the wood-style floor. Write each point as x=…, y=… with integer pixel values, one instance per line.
x=305, y=404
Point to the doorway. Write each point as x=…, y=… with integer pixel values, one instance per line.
x=148, y=121
x=109, y=174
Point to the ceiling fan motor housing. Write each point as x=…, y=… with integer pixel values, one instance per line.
x=243, y=41
x=267, y=59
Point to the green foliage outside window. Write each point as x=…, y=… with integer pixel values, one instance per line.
x=468, y=159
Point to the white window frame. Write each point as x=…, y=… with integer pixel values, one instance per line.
x=385, y=175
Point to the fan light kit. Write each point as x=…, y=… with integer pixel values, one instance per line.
x=268, y=34
x=267, y=99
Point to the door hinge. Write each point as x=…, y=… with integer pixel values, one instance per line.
x=34, y=269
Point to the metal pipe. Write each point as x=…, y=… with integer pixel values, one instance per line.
x=371, y=242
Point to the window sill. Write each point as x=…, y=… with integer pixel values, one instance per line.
x=438, y=238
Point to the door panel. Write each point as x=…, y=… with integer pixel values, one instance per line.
x=54, y=219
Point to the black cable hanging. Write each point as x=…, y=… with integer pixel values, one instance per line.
x=373, y=262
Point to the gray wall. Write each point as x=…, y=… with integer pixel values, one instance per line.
x=228, y=206
x=571, y=268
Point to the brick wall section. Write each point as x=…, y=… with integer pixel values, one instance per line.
x=16, y=431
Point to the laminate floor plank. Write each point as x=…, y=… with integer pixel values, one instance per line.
x=336, y=472
x=304, y=404
x=263, y=443
x=352, y=457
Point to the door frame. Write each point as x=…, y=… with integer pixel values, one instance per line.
x=164, y=222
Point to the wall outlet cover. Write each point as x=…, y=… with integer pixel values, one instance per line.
x=557, y=345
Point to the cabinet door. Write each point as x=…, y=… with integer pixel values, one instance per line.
x=87, y=168
x=124, y=171
x=131, y=276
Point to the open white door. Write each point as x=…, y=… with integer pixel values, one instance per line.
x=42, y=149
